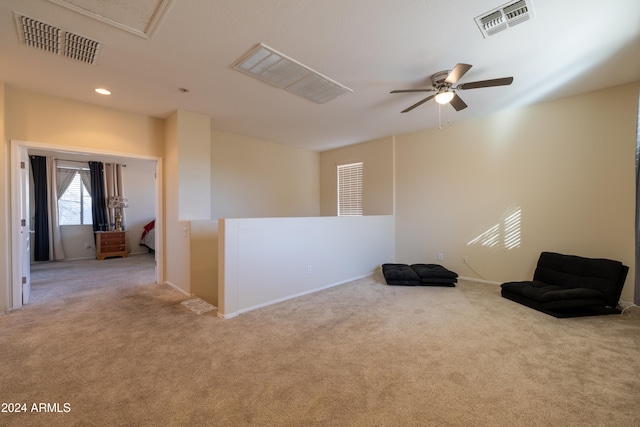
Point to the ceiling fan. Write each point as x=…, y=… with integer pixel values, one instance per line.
x=443, y=83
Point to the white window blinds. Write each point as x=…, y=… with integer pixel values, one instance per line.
x=74, y=205
x=350, y=189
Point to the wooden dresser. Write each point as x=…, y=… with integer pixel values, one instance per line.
x=110, y=244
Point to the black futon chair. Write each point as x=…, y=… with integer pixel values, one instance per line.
x=570, y=286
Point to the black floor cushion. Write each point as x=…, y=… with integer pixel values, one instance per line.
x=400, y=274
x=418, y=274
x=434, y=274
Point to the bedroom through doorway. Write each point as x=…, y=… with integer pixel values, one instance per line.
x=79, y=271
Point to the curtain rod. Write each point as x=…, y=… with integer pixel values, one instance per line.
x=82, y=161
x=74, y=161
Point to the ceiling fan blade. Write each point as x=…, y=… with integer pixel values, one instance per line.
x=412, y=90
x=417, y=104
x=505, y=81
x=457, y=103
x=458, y=71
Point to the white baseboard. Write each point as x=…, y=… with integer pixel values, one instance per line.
x=138, y=253
x=226, y=316
x=288, y=297
x=93, y=257
x=182, y=291
x=75, y=259
x=473, y=279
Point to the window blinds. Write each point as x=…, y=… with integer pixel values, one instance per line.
x=350, y=189
x=74, y=205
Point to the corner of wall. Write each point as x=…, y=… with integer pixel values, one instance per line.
x=204, y=260
x=187, y=194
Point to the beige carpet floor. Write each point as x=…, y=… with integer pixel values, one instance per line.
x=360, y=354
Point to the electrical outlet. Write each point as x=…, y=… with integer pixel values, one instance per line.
x=309, y=269
x=440, y=256
x=465, y=258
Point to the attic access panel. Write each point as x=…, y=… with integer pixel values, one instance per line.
x=139, y=17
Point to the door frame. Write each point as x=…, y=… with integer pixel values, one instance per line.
x=19, y=263
x=17, y=256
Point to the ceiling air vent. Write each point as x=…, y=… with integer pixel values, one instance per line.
x=56, y=40
x=274, y=68
x=504, y=17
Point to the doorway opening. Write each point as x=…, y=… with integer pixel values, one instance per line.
x=145, y=190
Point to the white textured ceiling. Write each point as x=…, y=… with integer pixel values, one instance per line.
x=370, y=46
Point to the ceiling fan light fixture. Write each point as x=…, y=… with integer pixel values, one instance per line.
x=444, y=83
x=444, y=97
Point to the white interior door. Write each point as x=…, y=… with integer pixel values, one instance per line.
x=25, y=234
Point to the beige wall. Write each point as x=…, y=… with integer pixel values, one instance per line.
x=250, y=178
x=194, y=166
x=176, y=237
x=203, y=249
x=557, y=176
x=377, y=158
x=45, y=119
x=253, y=178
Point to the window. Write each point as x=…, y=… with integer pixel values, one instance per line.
x=350, y=189
x=74, y=204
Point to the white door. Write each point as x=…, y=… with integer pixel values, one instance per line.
x=25, y=234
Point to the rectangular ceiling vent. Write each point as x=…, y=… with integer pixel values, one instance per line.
x=274, y=68
x=505, y=16
x=56, y=40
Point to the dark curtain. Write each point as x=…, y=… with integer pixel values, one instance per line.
x=41, y=219
x=99, y=204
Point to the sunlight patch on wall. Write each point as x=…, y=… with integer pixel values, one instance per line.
x=507, y=233
x=490, y=238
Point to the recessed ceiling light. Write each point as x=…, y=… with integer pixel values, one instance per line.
x=102, y=91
